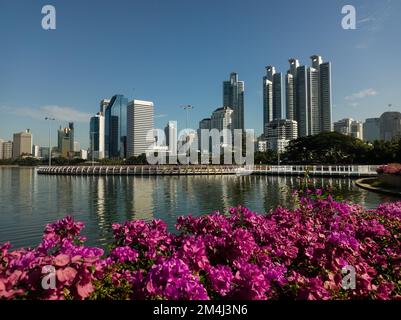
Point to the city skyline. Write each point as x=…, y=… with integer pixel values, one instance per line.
x=42, y=75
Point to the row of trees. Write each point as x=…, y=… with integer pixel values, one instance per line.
x=335, y=148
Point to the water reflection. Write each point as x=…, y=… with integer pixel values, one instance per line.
x=29, y=201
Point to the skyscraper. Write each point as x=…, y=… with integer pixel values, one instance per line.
x=325, y=96
x=96, y=136
x=222, y=119
x=65, y=140
x=302, y=116
x=390, y=126
x=371, y=129
x=170, y=132
x=309, y=96
x=139, y=123
x=272, y=97
x=116, y=127
x=291, y=90
x=22, y=144
x=233, y=97
x=103, y=106
x=314, y=117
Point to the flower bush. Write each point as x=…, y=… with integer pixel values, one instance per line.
x=393, y=168
x=285, y=254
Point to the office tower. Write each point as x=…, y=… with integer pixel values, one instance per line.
x=390, y=126
x=7, y=150
x=204, y=124
x=116, y=127
x=36, y=151
x=325, y=96
x=349, y=127
x=233, y=97
x=96, y=136
x=65, y=140
x=272, y=97
x=170, y=132
x=314, y=117
x=222, y=119
x=44, y=152
x=291, y=96
x=139, y=123
x=103, y=106
x=371, y=129
x=22, y=144
x=302, y=116
x=279, y=133
x=309, y=96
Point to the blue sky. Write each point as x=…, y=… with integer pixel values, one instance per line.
x=177, y=52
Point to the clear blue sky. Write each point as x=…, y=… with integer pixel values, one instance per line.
x=177, y=52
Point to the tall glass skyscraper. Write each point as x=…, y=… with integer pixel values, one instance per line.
x=233, y=97
x=272, y=95
x=308, y=96
x=116, y=127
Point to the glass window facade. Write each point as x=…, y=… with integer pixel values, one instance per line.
x=116, y=128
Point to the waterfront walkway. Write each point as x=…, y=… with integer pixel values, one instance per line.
x=149, y=170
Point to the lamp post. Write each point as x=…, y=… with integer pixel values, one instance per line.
x=50, y=147
x=187, y=108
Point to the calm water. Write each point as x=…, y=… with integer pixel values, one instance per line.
x=28, y=201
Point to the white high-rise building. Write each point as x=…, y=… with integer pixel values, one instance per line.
x=139, y=123
x=170, y=132
x=349, y=127
x=291, y=90
x=7, y=150
x=279, y=133
x=103, y=105
x=222, y=120
x=36, y=151
x=22, y=144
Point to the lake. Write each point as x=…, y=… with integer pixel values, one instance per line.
x=29, y=201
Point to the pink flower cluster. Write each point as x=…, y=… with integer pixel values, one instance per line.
x=285, y=254
x=393, y=168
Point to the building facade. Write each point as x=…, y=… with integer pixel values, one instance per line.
x=204, y=124
x=233, y=97
x=7, y=150
x=272, y=95
x=22, y=144
x=349, y=127
x=371, y=129
x=279, y=133
x=170, y=131
x=65, y=141
x=116, y=128
x=390, y=126
x=309, y=96
x=96, y=136
x=139, y=123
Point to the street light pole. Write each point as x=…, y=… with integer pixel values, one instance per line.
x=187, y=108
x=50, y=147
